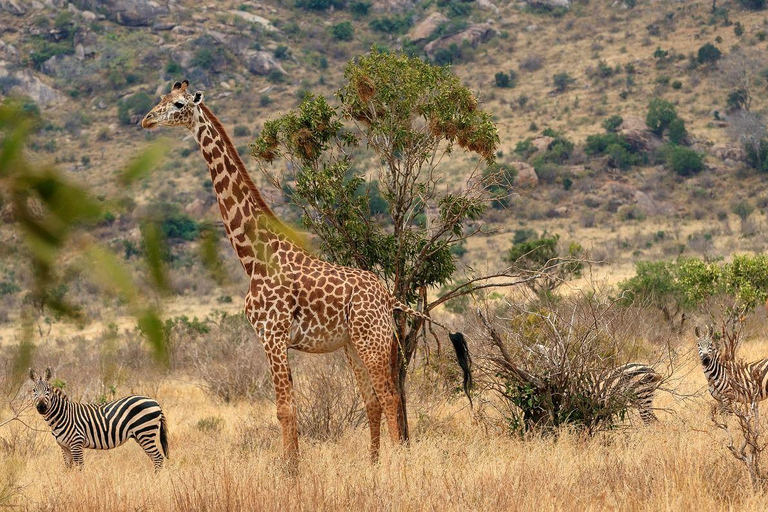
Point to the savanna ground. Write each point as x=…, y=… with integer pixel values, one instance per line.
x=226, y=455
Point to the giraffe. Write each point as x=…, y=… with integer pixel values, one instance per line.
x=296, y=300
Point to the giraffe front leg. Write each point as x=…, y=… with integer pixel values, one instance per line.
x=372, y=405
x=276, y=349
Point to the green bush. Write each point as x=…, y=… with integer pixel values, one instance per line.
x=562, y=81
x=684, y=161
x=613, y=123
x=660, y=114
x=343, y=31
x=360, y=9
x=320, y=5
x=506, y=80
x=738, y=99
x=136, y=104
x=241, y=131
x=677, y=131
x=708, y=54
x=391, y=25
x=755, y=5
x=281, y=52
x=743, y=209
x=757, y=155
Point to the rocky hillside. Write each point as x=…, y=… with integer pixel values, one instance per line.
x=569, y=84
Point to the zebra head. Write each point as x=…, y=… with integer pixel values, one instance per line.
x=41, y=392
x=706, y=344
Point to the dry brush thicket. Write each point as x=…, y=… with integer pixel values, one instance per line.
x=226, y=446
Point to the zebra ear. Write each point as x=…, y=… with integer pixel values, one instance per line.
x=48, y=373
x=697, y=331
x=32, y=375
x=711, y=331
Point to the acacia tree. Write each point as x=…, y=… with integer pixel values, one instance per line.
x=410, y=115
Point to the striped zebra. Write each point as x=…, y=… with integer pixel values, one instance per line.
x=632, y=383
x=635, y=382
x=731, y=381
x=100, y=426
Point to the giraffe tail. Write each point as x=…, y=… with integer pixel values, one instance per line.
x=464, y=359
x=164, y=435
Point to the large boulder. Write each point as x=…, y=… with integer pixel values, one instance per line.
x=726, y=152
x=8, y=52
x=261, y=62
x=526, y=175
x=638, y=134
x=426, y=27
x=476, y=34
x=131, y=13
x=255, y=19
x=15, y=7
x=550, y=4
x=25, y=82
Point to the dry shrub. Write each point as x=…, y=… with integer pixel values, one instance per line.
x=327, y=397
x=561, y=362
x=225, y=353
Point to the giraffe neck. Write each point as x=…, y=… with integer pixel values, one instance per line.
x=251, y=226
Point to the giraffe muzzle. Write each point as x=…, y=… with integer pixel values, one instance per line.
x=148, y=121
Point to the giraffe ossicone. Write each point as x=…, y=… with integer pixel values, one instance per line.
x=296, y=300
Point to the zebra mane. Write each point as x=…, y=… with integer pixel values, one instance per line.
x=60, y=393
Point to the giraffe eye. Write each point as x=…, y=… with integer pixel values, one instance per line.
x=178, y=104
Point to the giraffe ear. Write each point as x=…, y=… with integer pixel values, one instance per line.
x=32, y=375
x=48, y=373
x=198, y=97
x=176, y=86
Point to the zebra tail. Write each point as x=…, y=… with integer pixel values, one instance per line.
x=464, y=359
x=164, y=435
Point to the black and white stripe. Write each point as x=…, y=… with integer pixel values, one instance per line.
x=635, y=383
x=631, y=384
x=731, y=381
x=101, y=426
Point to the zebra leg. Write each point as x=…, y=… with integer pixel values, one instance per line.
x=150, y=443
x=67, y=453
x=646, y=414
x=77, y=454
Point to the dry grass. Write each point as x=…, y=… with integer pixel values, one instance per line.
x=455, y=462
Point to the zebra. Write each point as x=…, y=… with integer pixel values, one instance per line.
x=77, y=425
x=731, y=381
x=632, y=383
x=635, y=382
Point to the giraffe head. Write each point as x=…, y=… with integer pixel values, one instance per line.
x=41, y=392
x=706, y=344
x=177, y=108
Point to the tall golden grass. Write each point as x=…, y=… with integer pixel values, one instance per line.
x=454, y=462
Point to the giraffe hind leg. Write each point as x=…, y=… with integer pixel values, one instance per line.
x=372, y=405
x=276, y=350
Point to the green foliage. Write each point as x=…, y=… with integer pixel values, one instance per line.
x=320, y=5
x=136, y=104
x=498, y=181
x=743, y=209
x=613, y=123
x=738, y=99
x=174, y=223
x=360, y=8
x=557, y=152
x=542, y=257
x=677, y=131
x=281, y=52
x=757, y=155
x=506, y=80
x=660, y=114
x=683, y=161
x=173, y=68
x=621, y=154
x=391, y=24
x=562, y=81
x=343, y=31
x=241, y=131
x=58, y=231
x=677, y=287
x=755, y=5
x=708, y=54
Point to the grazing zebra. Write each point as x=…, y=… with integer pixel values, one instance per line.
x=731, y=381
x=635, y=382
x=100, y=426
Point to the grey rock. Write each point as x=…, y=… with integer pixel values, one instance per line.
x=29, y=84
x=131, y=13
x=638, y=135
x=725, y=152
x=475, y=35
x=14, y=7
x=261, y=62
x=526, y=175
x=254, y=18
x=550, y=3
x=426, y=27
